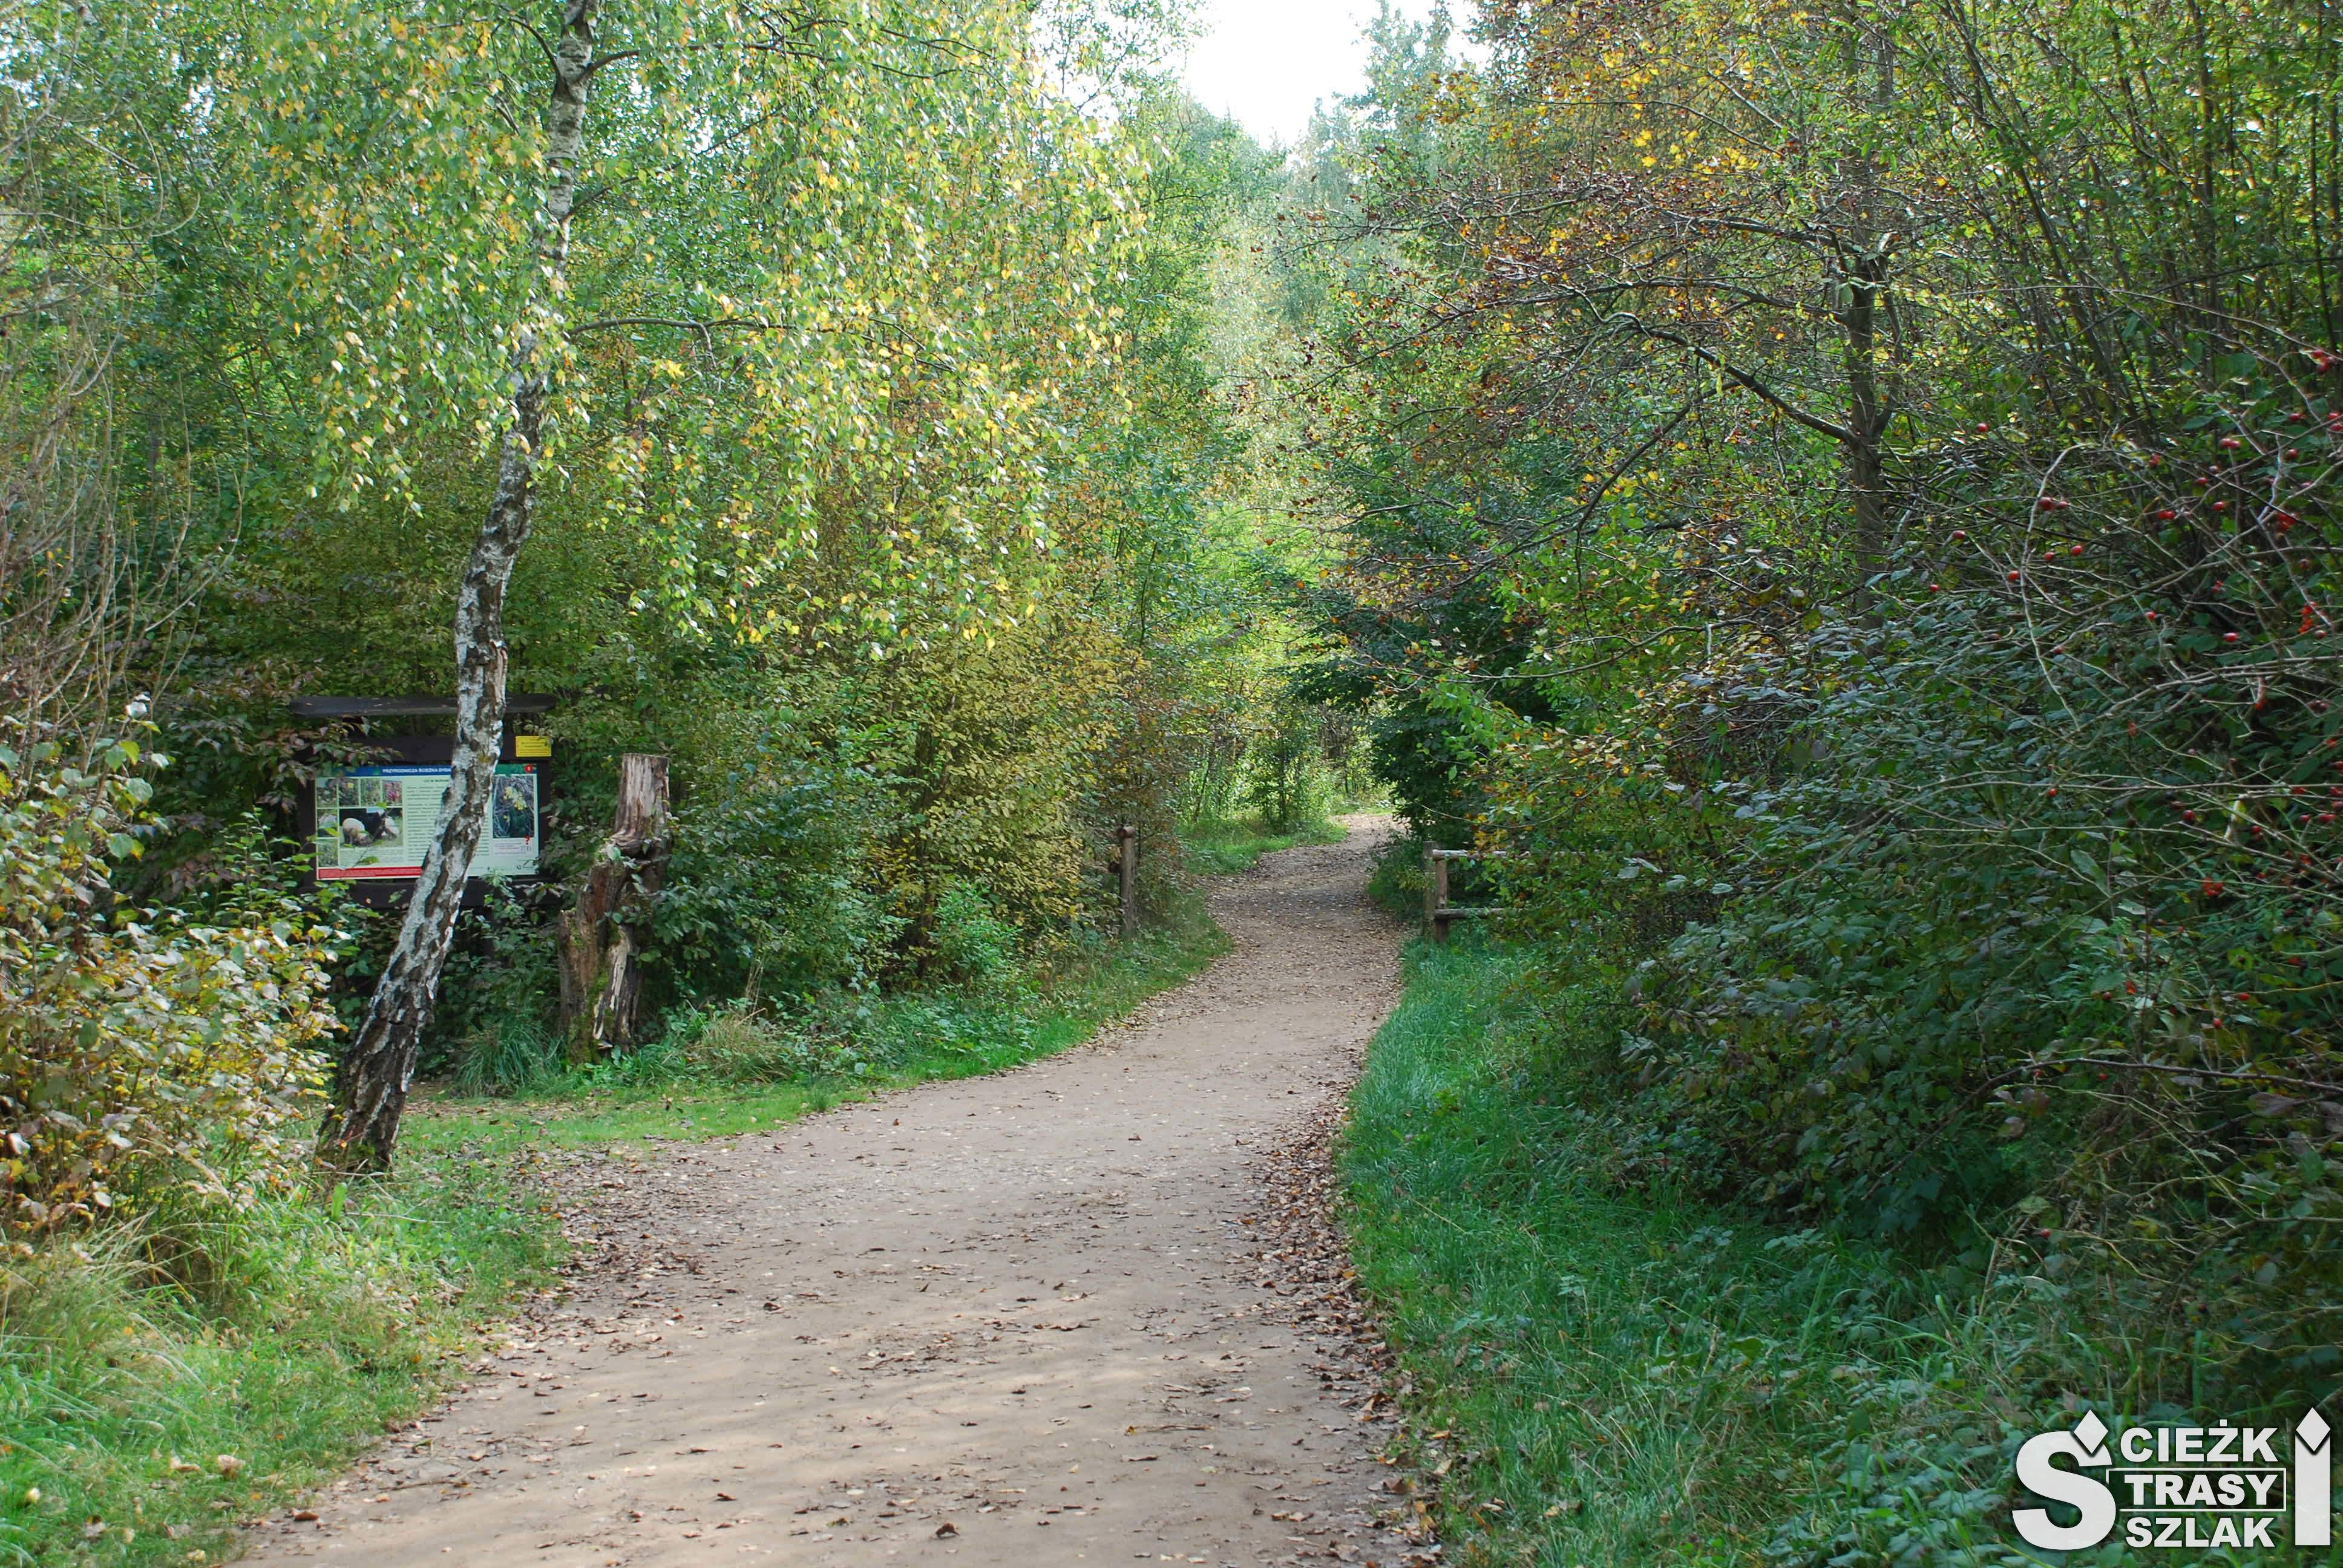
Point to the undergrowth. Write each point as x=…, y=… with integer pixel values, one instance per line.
x=1606, y=1374
x=769, y=1055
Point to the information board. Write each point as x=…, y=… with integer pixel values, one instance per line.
x=375, y=822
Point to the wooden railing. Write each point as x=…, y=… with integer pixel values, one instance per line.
x=1437, y=910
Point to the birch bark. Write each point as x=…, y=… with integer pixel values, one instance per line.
x=362, y=1130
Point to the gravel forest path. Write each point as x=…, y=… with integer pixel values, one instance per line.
x=1024, y=1320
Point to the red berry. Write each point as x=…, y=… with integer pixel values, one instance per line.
x=2166, y=514
x=1983, y=427
x=1959, y=534
x=2077, y=550
x=2228, y=636
x=2230, y=443
x=2013, y=576
x=1936, y=587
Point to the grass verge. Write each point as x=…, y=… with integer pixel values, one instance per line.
x=1600, y=1375
x=730, y=1071
x=1224, y=846
x=164, y=1381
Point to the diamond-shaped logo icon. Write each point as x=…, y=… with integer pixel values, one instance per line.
x=2094, y=1433
x=2312, y=1429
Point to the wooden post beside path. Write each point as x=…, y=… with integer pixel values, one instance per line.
x=1435, y=893
x=1126, y=851
x=1437, y=910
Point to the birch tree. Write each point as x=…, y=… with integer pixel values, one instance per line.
x=364, y=1126
x=796, y=304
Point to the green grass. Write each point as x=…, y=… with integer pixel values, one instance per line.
x=1621, y=1376
x=281, y=1337
x=285, y=1337
x=690, y=1090
x=1224, y=846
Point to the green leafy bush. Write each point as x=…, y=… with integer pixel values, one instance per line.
x=496, y=997
x=973, y=944
x=770, y=890
x=2043, y=933
x=143, y=1048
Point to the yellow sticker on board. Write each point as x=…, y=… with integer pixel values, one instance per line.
x=532, y=746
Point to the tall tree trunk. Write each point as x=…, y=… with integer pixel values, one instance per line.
x=363, y=1128
x=1865, y=276
x=1868, y=415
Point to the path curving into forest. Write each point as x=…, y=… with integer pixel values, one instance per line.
x=1008, y=1321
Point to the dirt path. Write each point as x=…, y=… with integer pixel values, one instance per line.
x=1008, y=1320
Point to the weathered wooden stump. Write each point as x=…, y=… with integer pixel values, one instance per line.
x=602, y=938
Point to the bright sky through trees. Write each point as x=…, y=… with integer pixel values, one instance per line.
x=1265, y=63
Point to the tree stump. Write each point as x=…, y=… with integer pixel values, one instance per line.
x=603, y=937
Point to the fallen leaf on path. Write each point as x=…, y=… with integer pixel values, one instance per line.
x=947, y=1530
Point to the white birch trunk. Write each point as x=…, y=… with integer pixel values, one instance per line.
x=363, y=1128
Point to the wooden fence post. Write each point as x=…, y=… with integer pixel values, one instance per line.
x=1436, y=892
x=1438, y=912
x=1126, y=843
x=601, y=940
